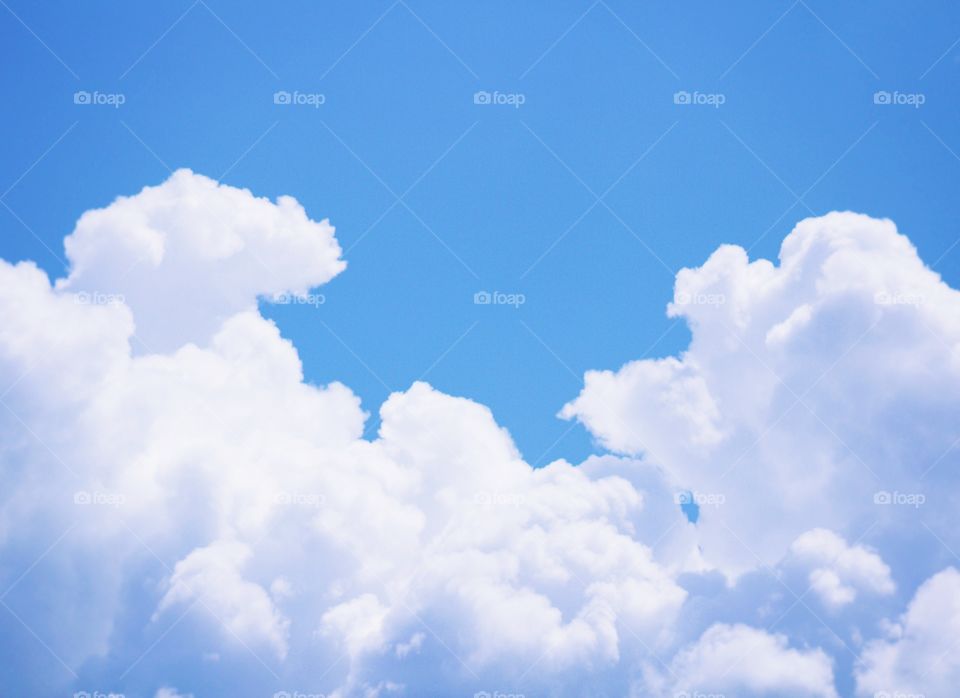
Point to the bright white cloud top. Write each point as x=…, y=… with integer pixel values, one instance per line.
x=196, y=506
x=810, y=391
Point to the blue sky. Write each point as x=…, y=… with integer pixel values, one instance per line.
x=771, y=478
x=500, y=185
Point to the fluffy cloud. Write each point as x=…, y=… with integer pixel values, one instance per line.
x=181, y=507
x=242, y=507
x=189, y=253
x=212, y=577
x=808, y=388
x=744, y=661
x=920, y=656
x=837, y=571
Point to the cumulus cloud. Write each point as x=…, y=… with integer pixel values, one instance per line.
x=212, y=577
x=189, y=253
x=919, y=657
x=808, y=389
x=267, y=523
x=182, y=508
x=744, y=661
x=837, y=570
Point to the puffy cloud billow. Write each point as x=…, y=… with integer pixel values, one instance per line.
x=182, y=514
x=813, y=392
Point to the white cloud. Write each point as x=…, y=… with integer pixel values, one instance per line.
x=359, y=622
x=221, y=488
x=807, y=388
x=212, y=577
x=920, y=657
x=743, y=661
x=837, y=571
x=269, y=520
x=189, y=253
